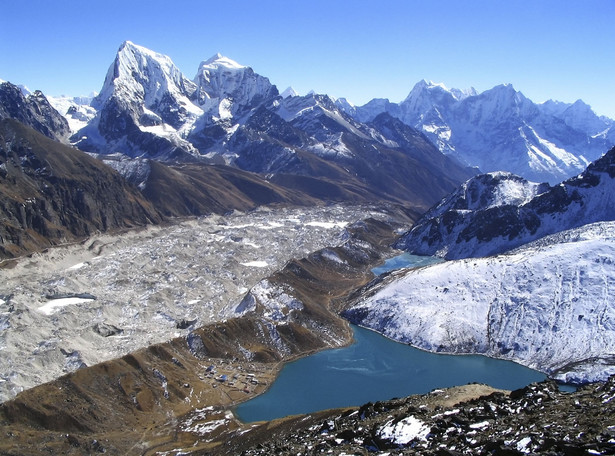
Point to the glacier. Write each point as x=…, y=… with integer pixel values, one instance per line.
x=88, y=302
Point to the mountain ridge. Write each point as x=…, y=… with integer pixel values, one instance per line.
x=501, y=129
x=455, y=229
x=230, y=115
x=497, y=129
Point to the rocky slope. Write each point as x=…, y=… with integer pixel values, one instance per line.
x=34, y=111
x=85, y=303
x=500, y=129
x=493, y=213
x=52, y=193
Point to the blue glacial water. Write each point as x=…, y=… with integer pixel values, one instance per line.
x=375, y=368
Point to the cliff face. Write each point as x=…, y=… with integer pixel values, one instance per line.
x=51, y=193
x=33, y=111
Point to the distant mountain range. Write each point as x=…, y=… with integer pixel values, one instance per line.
x=228, y=113
x=177, y=141
x=226, y=140
x=500, y=129
x=53, y=193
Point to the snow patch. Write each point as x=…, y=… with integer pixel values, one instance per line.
x=328, y=225
x=255, y=264
x=404, y=431
x=54, y=305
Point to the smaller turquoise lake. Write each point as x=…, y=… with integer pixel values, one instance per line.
x=405, y=260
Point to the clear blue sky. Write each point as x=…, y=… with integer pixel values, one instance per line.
x=358, y=49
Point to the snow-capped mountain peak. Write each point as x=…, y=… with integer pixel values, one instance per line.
x=462, y=94
x=505, y=212
x=289, y=92
x=226, y=89
x=218, y=60
x=145, y=74
x=145, y=98
x=424, y=87
x=492, y=190
x=24, y=90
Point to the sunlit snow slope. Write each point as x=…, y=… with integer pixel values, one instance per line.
x=547, y=305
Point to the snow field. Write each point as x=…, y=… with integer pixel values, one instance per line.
x=547, y=305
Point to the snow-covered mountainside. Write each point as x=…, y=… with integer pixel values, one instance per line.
x=546, y=305
x=495, y=212
x=148, y=108
x=501, y=129
x=289, y=92
x=227, y=89
x=144, y=107
x=76, y=110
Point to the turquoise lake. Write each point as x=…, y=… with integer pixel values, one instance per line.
x=375, y=368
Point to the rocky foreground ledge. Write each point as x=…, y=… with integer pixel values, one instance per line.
x=537, y=419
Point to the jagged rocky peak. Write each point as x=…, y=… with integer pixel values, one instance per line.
x=142, y=74
x=580, y=115
x=425, y=94
x=218, y=60
x=220, y=78
x=525, y=212
x=33, y=110
x=289, y=92
x=501, y=102
x=493, y=189
x=144, y=108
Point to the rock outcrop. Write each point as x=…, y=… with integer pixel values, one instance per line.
x=493, y=213
x=34, y=111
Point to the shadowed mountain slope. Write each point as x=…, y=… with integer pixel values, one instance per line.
x=51, y=193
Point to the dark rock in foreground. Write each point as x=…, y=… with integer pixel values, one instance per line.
x=538, y=419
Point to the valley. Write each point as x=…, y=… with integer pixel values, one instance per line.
x=164, y=396
x=169, y=244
